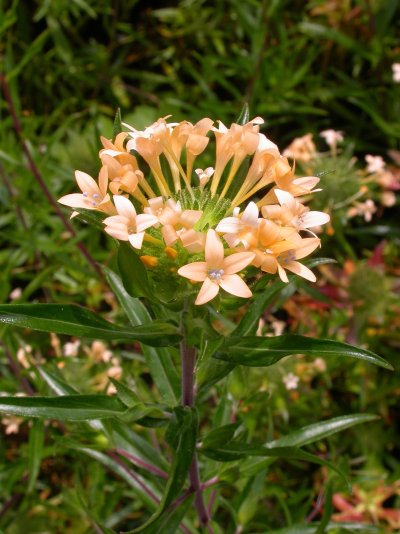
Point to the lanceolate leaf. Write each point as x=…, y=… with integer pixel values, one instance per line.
x=321, y=430
x=81, y=322
x=236, y=451
x=133, y=272
x=159, y=360
x=66, y=408
x=256, y=351
x=306, y=435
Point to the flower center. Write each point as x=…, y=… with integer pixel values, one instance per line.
x=290, y=255
x=215, y=274
x=92, y=199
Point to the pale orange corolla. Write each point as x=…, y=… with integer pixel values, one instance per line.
x=279, y=248
x=218, y=271
x=301, y=149
x=241, y=228
x=176, y=223
x=94, y=195
x=291, y=212
x=127, y=225
x=288, y=259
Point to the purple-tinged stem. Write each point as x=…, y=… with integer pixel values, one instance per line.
x=188, y=357
x=140, y=463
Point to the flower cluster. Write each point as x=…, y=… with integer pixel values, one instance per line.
x=245, y=210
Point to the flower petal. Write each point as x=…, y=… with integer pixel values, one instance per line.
x=314, y=218
x=144, y=221
x=194, y=271
x=307, y=245
x=208, y=291
x=75, y=200
x=229, y=225
x=232, y=283
x=214, y=250
x=250, y=215
x=301, y=270
x=86, y=183
x=124, y=207
x=136, y=240
x=236, y=262
x=285, y=198
x=282, y=274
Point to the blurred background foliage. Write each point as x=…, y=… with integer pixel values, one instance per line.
x=304, y=66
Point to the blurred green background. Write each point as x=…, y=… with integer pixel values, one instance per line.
x=304, y=66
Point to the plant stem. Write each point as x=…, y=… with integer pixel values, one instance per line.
x=188, y=356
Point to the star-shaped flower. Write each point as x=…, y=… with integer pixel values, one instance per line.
x=218, y=271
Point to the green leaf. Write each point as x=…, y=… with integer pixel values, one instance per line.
x=159, y=361
x=237, y=451
x=36, y=440
x=133, y=273
x=249, y=323
x=186, y=427
x=306, y=435
x=244, y=116
x=323, y=429
x=81, y=322
x=92, y=217
x=117, y=127
x=256, y=351
x=131, y=305
x=125, y=395
x=169, y=521
x=65, y=408
x=219, y=436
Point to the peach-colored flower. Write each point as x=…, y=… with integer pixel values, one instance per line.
x=301, y=149
x=93, y=197
x=291, y=212
x=273, y=240
x=288, y=260
x=217, y=271
x=237, y=142
x=388, y=199
x=241, y=228
x=127, y=225
x=365, y=209
x=175, y=221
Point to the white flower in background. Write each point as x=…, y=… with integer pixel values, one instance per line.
x=375, y=164
x=291, y=381
x=15, y=293
x=71, y=348
x=332, y=137
x=396, y=72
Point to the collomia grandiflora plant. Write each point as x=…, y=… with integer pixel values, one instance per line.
x=207, y=239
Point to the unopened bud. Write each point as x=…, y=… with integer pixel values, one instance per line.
x=171, y=253
x=149, y=261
